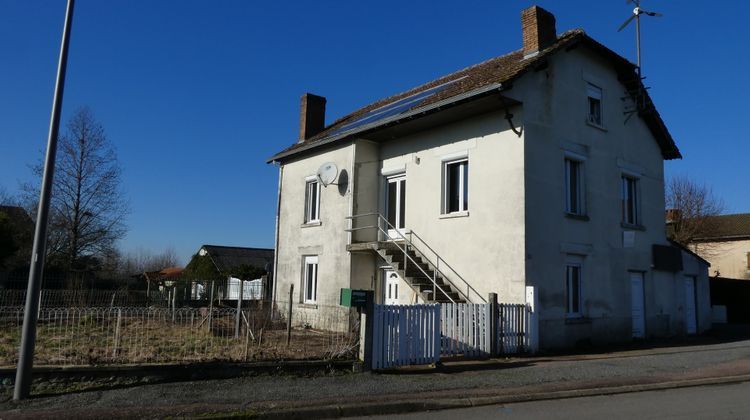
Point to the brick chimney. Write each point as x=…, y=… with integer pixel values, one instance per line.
x=538, y=27
x=312, y=116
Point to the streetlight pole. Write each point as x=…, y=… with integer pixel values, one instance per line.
x=31, y=311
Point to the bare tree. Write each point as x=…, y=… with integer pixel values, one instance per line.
x=6, y=198
x=141, y=261
x=690, y=206
x=88, y=207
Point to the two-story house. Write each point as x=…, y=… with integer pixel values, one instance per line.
x=523, y=170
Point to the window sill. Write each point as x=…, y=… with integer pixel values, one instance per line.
x=576, y=319
x=455, y=214
x=597, y=126
x=308, y=305
x=574, y=216
x=311, y=224
x=632, y=227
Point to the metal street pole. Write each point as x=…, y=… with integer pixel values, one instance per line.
x=31, y=311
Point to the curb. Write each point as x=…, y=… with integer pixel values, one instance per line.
x=184, y=371
x=438, y=403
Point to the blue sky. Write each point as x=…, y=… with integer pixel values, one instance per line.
x=195, y=95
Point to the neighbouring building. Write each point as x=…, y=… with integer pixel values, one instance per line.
x=726, y=245
x=232, y=265
x=543, y=167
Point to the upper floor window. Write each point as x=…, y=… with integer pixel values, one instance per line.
x=310, y=279
x=573, y=286
x=456, y=186
x=630, y=200
x=574, y=186
x=595, y=104
x=312, y=201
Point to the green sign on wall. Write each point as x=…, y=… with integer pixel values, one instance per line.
x=354, y=298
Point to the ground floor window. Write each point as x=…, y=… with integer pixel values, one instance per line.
x=310, y=279
x=573, y=277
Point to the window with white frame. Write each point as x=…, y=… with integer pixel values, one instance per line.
x=630, y=200
x=312, y=201
x=310, y=279
x=594, y=93
x=574, y=186
x=573, y=277
x=456, y=186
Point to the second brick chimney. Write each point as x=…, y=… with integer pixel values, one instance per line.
x=538, y=27
x=312, y=115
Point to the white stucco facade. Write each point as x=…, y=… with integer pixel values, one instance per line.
x=515, y=231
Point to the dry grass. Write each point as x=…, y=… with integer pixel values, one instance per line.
x=92, y=337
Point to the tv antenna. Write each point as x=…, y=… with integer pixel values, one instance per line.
x=637, y=12
x=637, y=92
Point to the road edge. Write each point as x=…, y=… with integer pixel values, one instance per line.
x=440, y=403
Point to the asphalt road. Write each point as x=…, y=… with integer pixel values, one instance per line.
x=267, y=393
x=707, y=402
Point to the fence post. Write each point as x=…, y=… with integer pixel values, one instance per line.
x=532, y=305
x=366, y=330
x=493, y=324
x=239, y=311
x=289, y=315
x=210, y=306
x=117, y=333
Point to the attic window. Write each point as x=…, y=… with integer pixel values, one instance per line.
x=595, y=104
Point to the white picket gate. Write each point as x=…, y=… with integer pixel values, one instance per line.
x=465, y=329
x=405, y=335
x=513, y=327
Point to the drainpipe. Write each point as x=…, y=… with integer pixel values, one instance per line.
x=276, y=238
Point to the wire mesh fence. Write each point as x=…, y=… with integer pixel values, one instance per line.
x=177, y=292
x=118, y=335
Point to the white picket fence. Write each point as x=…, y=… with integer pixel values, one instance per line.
x=405, y=335
x=421, y=334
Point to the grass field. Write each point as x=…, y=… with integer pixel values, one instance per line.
x=90, y=336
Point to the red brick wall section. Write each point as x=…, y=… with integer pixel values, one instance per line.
x=538, y=27
x=312, y=115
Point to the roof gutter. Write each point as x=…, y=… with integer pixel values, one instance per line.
x=453, y=100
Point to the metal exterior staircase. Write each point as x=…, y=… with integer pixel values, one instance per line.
x=419, y=274
x=425, y=275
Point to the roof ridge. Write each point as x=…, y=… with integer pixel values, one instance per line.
x=501, y=70
x=445, y=79
x=237, y=247
x=416, y=89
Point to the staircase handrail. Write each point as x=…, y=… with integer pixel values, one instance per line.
x=409, y=242
x=440, y=259
x=435, y=286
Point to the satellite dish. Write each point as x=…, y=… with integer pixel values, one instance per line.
x=327, y=173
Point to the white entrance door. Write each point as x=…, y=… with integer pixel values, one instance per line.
x=396, y=205
x=390, y=287
x=691, y=322
x=637, y=299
